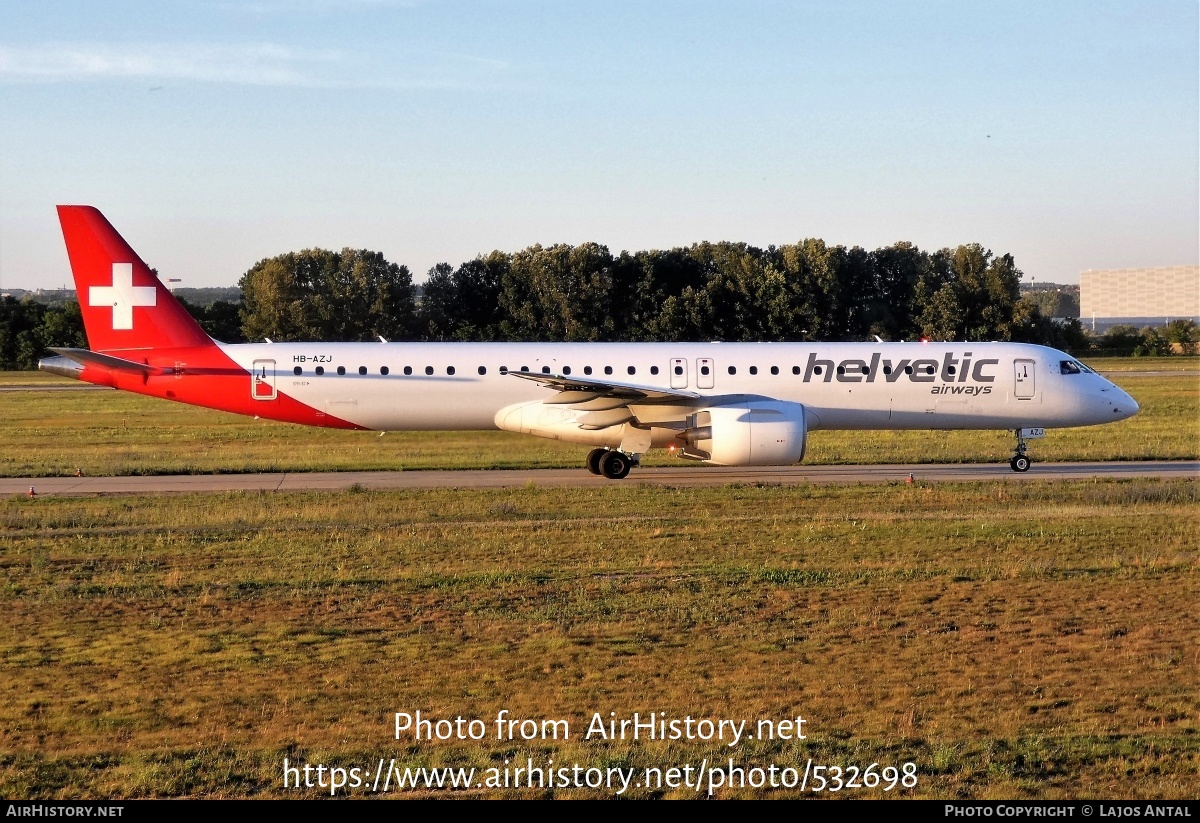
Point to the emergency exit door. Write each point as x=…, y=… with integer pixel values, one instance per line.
x=679, y=375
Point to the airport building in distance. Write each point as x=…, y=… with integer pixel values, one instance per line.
x=1140, y=297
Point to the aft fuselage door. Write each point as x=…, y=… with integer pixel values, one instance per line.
x=1026, y=383
x=679, y=375
x=705, y=372
x=262, y=380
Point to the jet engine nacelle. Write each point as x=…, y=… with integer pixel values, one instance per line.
x=757, y=433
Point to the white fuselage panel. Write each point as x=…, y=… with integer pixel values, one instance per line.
x=841, y=385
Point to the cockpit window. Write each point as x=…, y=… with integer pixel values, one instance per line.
x=1069, y=367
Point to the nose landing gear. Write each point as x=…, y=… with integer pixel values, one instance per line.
x=1019, y=462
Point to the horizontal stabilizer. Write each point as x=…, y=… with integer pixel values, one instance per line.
x=85, y=358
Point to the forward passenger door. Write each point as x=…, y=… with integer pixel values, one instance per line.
x=1026, y=381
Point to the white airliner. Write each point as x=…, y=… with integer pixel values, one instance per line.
x=730, y=404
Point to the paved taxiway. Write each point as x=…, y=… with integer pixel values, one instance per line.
x=557, y=478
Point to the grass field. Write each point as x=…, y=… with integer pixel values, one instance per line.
x=1013, y=641
x=103, y=433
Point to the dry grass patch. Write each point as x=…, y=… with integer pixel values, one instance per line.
x=1019, y=641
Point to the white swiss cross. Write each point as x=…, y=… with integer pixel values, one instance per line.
x=122, y=295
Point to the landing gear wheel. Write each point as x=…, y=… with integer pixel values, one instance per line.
x=1019, y=462
x=593, y=460
x=615, y=465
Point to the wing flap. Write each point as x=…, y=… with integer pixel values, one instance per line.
x=600, y=404
x=603, y=419
x=572, y=397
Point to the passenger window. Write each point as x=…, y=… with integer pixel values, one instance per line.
x=704, y=370
x=566, y=369
x=450, y=370
x=408, y=369
x=297, y=371
x=631, y=370
x=678, y=370
x=733, y=369
x=818, y=369
x=587, y=369
x=362, y=369
x=429, y=369
x=754, y=369
x=383, y=370
x=654, y=369
x=545, y=369
x=608, y=369
x=774, y=370
x=908, y=369
x=841, y=369
x=524, y=368
x=795, y=369
x=341, y=369
x=320, y=370
x=504, y=369
x=887, y=369
x=483, y=370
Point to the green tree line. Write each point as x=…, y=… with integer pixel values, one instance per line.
x=708, y=291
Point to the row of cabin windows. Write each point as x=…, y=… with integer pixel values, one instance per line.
x=320, y=370
x=704, y=370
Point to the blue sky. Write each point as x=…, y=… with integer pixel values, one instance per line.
x=213, y=134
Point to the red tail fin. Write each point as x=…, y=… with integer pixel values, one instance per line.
x=124, y=305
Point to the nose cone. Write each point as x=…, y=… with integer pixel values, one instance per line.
x=1125, y=406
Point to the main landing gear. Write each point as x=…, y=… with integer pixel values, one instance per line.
x=611, y=463
x=1019, y=461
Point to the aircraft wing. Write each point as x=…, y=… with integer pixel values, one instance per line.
x=573, y=389
x=606, y=402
